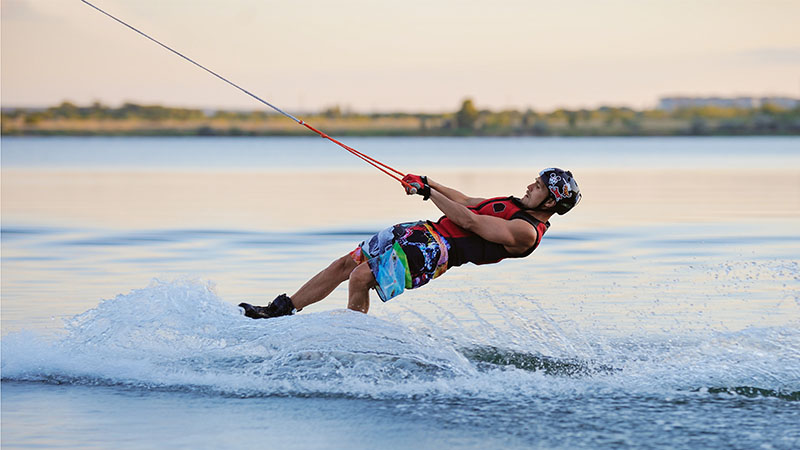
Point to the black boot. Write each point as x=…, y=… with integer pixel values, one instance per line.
x=281, y=306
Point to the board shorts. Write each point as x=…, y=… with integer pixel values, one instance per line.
x=403, y=256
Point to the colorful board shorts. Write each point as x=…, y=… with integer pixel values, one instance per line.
x=403, y=256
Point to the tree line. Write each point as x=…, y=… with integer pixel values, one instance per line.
x=468, y=120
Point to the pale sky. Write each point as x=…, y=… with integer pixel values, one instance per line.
x=399, y=55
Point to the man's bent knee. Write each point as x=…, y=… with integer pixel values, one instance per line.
x=343, y=266
x=362, y=277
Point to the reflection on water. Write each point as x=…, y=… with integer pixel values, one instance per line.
x=433, y=154
x=301, y=200
x=665, y=307
x=646, y=242
x=656, y=277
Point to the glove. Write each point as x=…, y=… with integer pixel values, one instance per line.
x=420, y=185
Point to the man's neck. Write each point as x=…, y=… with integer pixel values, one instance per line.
x=541, y=216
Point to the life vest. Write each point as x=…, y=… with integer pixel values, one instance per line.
x=466, y=246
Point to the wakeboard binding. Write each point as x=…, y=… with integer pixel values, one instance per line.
x=281, y=306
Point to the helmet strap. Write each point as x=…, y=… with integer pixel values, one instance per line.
x=540, y=208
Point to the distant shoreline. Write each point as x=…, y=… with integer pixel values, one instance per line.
x=370, y=133
x=138, y=120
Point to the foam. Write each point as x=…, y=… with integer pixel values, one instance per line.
x=180, y=335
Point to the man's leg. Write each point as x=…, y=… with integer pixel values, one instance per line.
x=361, y=280
x=323, y=283
x=315, y=289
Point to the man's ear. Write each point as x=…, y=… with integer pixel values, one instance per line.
x=550, y=203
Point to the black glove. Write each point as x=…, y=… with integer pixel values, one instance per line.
x=419, y=185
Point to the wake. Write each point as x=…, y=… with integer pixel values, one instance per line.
x=180, y=336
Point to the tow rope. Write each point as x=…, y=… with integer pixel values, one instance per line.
x=394, y=173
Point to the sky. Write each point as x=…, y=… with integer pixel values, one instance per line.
x=414, y=56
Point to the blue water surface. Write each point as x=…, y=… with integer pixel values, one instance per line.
x=430, y=153
x=679, y=334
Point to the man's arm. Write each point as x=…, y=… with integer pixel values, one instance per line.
x=454, y=195
x=516, y=235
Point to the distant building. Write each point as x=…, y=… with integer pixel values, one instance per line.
x=674, y=103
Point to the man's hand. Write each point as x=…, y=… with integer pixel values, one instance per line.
x=419, y=185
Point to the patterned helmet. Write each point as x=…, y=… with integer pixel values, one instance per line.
x=563, y=188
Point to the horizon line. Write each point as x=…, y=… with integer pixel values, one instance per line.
x=346, y=109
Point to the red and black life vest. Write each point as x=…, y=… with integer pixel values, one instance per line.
x=466, y=246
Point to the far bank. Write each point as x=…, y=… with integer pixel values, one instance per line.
x=154, y=120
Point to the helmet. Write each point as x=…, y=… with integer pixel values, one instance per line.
x=563, y=188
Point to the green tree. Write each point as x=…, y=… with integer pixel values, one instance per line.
x=529, y=118
x=572, y=118
x=333, y=112
x=467, y=115
x=66, y=110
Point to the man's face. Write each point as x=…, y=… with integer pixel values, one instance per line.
x=536, y=193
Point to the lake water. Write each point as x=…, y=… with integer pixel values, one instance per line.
x=663, y=312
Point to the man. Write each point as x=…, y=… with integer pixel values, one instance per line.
x=409, y=255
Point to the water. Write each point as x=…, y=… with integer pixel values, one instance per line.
x=674, y=323
x=281, y=153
